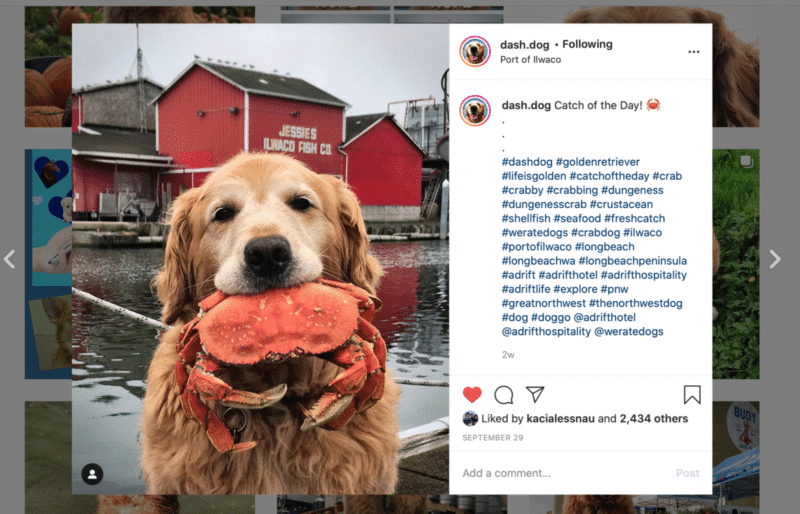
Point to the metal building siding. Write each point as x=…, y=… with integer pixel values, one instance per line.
x=269, y=116
x=201, y=141
x=385, y=168
x=118, y=106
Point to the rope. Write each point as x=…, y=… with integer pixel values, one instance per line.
x=411, y=381
x=160, y=326
x=119, y=310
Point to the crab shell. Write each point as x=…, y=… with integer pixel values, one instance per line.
x=325, y=318
x=278, y=324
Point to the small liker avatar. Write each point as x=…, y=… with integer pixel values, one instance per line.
x=653, y=103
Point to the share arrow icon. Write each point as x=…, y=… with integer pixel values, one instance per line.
x=536, y=392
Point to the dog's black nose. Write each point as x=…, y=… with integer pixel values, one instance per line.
x=268, y=257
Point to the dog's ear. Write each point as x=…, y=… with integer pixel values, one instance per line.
x=175, y=283
x=736, y=74
x=352, y=248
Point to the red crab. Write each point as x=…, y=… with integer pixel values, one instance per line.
x=653, y=103
x=325, y=318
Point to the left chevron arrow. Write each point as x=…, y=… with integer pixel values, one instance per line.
x=7, y=259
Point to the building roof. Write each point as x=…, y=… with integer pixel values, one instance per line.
x=109, y=85
x=260, y=83
x=355, y=126
x=117, y=143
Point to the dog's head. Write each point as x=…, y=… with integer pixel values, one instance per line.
x=736, y=63
x=475, y=112
x=66, y=205
x=49, y=174
x=475, y=52
x=261, y=221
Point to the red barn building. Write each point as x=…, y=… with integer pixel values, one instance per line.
x=384, y=167
x=211, y=112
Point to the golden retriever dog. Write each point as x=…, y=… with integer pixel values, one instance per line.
x=475, y=112
x=138, y=504
x=476, y=51
x=262, y=221
x=715, y=261
x=598, y=504
x=736, y=63
x=395, y=504
x=66, y=206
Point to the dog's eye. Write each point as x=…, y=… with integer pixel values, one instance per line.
x=224, y=214
x=300, y=204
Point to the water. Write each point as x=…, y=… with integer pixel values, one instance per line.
x=111, y=353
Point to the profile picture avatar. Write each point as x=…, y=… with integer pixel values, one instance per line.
x=475, y=110
x=475, y=51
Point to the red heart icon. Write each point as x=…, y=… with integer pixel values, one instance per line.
x=472, y=393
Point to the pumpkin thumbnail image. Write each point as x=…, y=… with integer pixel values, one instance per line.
x=47, y=95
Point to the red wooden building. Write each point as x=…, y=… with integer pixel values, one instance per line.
x=384, y=167
x=211, y=112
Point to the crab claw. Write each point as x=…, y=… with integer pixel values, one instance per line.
x=345, y=385
x=327, y=408
x=203, y=381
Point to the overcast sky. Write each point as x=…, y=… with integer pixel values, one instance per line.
x=367, y=66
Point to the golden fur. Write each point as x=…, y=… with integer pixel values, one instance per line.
x=396, y=504
x=137, y=504
x=598, y=504
x=736, y=63
x=328, y=238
